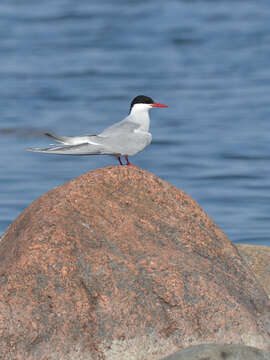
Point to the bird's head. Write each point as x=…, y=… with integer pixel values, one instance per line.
x=144, y=103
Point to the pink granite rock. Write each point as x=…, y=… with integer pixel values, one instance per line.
x=118, y=264
x=258, y=259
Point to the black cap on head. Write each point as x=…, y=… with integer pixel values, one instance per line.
x=141, y=99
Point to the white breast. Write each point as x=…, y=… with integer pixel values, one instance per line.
x=140, y=115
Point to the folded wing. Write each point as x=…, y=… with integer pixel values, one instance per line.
x=72, y=140
x=81, y=149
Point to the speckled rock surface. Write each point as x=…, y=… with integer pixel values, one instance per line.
x=258, y=259
x=118, y=264
x=220, y=352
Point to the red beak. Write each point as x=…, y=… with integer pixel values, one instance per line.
x=158, y=105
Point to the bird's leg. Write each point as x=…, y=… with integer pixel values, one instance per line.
x=128, y=163
x=119, y=159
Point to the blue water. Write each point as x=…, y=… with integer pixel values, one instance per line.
x=72, y=68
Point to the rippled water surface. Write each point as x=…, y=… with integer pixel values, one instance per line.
x=72, y=67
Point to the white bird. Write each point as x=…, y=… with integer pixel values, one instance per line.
x=125, y=138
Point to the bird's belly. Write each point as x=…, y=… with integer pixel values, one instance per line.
x=130, y=144
x=138, y=142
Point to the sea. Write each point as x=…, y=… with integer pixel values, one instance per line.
x=73, y=67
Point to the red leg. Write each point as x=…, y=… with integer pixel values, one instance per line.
x=119, y=159
x=128, y=163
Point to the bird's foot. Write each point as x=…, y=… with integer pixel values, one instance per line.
x=128, y=163
x=119, y=159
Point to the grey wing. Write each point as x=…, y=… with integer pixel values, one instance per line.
x=72, y=140
x=122, y=127
x=125, y=138
x=82, y=149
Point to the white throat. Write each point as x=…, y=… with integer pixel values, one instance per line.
x=140, y=115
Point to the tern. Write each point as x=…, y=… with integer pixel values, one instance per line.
x=125, y=138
